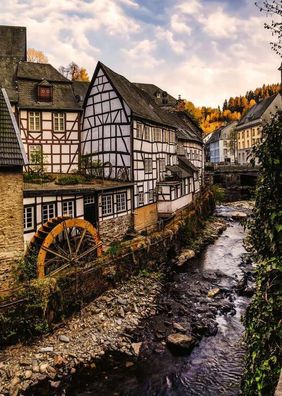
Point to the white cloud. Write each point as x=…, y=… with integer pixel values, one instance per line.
x=219, y=24
x=179, y=26
x=176, y=46
x=142, y=54
x=190, y=7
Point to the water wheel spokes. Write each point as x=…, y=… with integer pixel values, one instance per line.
x=63, y=242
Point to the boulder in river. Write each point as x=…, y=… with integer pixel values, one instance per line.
x=180, y=342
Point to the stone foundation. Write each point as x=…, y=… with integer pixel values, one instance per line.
x=11, y=224
x=113, y=230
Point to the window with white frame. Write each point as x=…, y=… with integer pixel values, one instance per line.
x=34, y=121
x=68, y=208
x=166, y=136
x=89, y=199
x=48, y=211
x=29, y=218
x=59, y=122
x=121, y=201
x=151, y=195
x=162, y=165
x=158, y=135
x=107, y=205
x=140, y=197
x=172, y=137
x=139, y=131
x=148, y=165
x=147, y=135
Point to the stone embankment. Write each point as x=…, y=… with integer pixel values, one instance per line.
x=107, y=324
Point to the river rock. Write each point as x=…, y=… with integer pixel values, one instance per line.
x=47, y=349
x=15, y=381
x=64, y=338
x=179, y=327
x=28, y=374
x=43, y=368
x=185, y=255
x=136, y=346
x=213, y=292
x=55, y=384
x=180, y=342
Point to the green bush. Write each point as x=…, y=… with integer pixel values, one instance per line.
x=263, y=317
x=70, y=180
x=218, y=192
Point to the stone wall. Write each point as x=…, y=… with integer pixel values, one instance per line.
x=11, y=224
x=112, y=230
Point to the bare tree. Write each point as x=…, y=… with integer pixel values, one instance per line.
x=274, y=9
x=74, y=72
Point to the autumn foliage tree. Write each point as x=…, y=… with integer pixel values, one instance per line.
x=233, y=108
x=36, y=56
x=74, y=72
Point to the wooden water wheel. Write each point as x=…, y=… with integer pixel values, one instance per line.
x=63, y=242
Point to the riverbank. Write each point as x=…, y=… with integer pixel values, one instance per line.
x=104, y=325
x=193, y=344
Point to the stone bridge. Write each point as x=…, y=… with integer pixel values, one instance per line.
x=232, y=175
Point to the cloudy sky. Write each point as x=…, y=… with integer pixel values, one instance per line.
x=205, y=50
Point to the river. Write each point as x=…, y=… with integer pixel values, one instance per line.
x=215, y=365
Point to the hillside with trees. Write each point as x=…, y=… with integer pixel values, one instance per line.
x=232, y=109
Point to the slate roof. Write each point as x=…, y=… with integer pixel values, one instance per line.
x=186, y=128
x=11, y=148
x=185, y=161
x=179, y=171
x=80, y=89
x=30, y=75
x=152, y=89
x=257, y=110
x=143, y=106
x=39, y=71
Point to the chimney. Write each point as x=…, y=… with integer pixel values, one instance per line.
x=13, y=42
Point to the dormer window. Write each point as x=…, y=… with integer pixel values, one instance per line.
x=44, y=92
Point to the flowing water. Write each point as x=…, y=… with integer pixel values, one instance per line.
x=215, y=365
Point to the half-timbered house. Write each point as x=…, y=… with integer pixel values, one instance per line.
x=135, y=140
x=189, y=134
x=45, y=104
x=49, y=117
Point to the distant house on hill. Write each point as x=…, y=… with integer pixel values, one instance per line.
x=222, y=144
x=249, y=129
